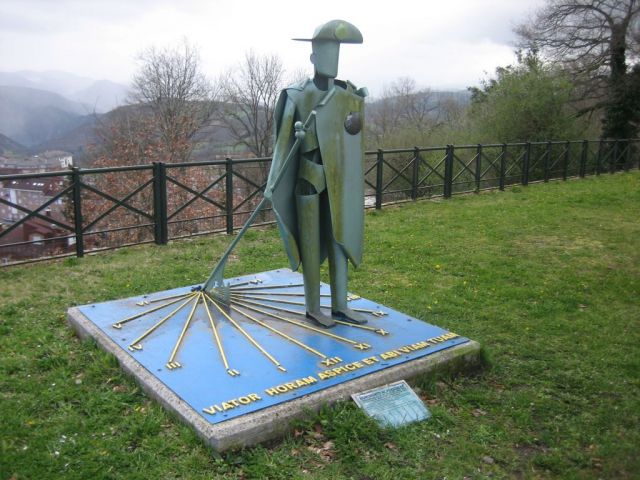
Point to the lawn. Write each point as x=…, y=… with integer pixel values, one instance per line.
x=546, y=277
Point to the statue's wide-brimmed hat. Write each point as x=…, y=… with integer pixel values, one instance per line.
x=335, y=31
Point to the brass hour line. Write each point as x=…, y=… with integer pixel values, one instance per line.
x=135, y=345
x=280, y=294
x=241, y=284
x=178, y=296
x=246, y=334
x=291, y=302
x=299, y=324
x=266, y=299
x=170, y=363
x=288, y=302
x=282, y=334
x=216, y=336
x=379, y=331
x=280, y=309
x=350, y=296
x=287, y=310
x=265, y=287
x=118, y=325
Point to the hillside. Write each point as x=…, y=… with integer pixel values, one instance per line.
x=102, y=95
x=47, y=121
x=31, y=116
x=98, y=95
x=211, y=141
x=436, y=99
x=74, y=141
x=9, y=147
x=62, y=83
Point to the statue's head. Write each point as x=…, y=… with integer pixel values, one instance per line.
x=325, y=45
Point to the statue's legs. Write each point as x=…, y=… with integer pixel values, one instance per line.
x=338, y=266
x=309, y=233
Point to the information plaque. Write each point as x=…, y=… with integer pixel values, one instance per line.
x=392, y=405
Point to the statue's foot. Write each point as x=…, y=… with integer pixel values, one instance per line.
x=349, y=315
x=322, y=319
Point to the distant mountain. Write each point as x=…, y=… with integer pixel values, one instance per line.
x=99, y=95
x=102, y=96
x=77, y=140
x=61, y=83
x=9, y=147
x=30, y=116
x=54, y=109
x=74, y=141
x=433, y=97
x=434, y=102
x=34, y=98
x=210, y=142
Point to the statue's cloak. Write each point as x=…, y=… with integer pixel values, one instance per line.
x=342, y=154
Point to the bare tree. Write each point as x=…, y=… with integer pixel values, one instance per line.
x=414, y=107
x=250, y=93
x=126, y=136
x=298, y=75
x=382, y=118
x=593, y=40
x=171, y=101
x=403, y=108
x=451, y=110
x=129, y=136
x=171, y=84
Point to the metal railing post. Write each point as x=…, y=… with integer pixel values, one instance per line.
x=478, y=172
x=547, y=160
x=613, y=159
x=627, y=159
x=229, y=194
x=77, y=211
x=448, y=172
x=503, y=161
x=161, y=228
x=379, y=165
x=415, y=173
x=156, y=209
x=599, y=157
x=565, y=160
x=583, y=158
x=525, y=164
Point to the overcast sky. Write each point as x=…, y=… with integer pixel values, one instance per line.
x=439, y=43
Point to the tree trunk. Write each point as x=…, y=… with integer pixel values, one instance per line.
x=617, y=122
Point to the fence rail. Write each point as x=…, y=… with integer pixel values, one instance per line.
x=78, y=211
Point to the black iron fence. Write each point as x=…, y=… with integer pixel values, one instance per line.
x=70, y=213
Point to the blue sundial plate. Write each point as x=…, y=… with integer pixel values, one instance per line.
x=202, y=380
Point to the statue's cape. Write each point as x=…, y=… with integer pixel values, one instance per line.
x=342, y=156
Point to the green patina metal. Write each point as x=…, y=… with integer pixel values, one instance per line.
x=316, y=181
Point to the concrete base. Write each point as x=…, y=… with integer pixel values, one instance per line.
x=274, y=421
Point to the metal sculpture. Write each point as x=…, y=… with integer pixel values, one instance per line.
x=316, y=181
x=248, y=342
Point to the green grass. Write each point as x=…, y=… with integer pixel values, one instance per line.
x=546, y=277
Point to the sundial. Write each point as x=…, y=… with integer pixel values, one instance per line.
x=238, y=358
x=229, y=359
